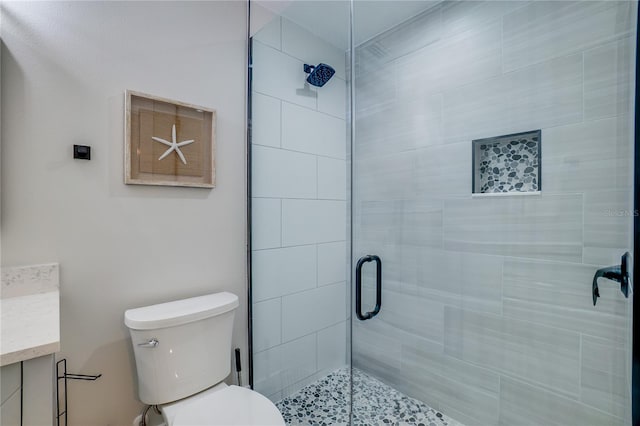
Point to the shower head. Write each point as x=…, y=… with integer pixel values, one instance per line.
x=319, y=74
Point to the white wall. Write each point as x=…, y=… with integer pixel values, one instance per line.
x=299, y=211
x=65, y=67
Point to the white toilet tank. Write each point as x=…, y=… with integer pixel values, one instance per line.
x=181, y=347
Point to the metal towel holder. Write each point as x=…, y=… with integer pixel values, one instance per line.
x=64, y=377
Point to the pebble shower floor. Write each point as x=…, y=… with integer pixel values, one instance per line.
x=326, y=402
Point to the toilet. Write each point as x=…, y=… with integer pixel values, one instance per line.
x=183, y=353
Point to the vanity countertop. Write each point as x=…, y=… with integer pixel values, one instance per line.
x=29, y=312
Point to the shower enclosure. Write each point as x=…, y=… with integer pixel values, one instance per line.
x=426, y=225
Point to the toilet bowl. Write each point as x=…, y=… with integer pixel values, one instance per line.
x=183, y=353
x=232, y=405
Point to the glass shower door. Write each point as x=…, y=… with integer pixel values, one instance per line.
x=492, y=177
x=300, y=298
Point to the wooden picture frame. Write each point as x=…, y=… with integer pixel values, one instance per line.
x=168, y=142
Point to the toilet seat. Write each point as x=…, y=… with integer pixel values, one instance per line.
x=223, y=405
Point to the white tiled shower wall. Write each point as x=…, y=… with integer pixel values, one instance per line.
x=487, y=311
x=299, y=211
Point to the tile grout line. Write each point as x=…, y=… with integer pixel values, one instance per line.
x=584, y=212
x=499, y=397
x=280, y=28
x=281, y=223
x=502, y=262
x=306, y=290
x=281, y=325
x=502, y=45
x=583, y=91
x=299, y=245
x=580, y=368
x=460, y=141
x=327, y=114
x=299, y=152
x=317, y=177
x=283, y=342
x=297, y=198
x=281, y=119
x=317, y=349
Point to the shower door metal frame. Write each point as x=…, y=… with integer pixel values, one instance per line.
x=248, y=135
x=351, y=137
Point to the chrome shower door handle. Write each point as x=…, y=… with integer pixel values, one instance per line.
x=376, y=309
x=149, y=344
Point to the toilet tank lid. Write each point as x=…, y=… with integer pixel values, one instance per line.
x=180, y=311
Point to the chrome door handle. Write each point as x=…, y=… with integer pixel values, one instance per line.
x=150, y=344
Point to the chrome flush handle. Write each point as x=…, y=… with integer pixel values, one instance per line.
x=150, y=344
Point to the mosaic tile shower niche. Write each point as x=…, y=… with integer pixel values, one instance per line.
x=507, y=164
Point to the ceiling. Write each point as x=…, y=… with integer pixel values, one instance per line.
x=329, y=19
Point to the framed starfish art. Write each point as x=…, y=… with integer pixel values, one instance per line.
x=168, y=142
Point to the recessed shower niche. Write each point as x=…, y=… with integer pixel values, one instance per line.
x=507, y=164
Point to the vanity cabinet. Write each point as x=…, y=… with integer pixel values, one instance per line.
x=29, y=337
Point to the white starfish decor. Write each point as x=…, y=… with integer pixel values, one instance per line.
x=173, y=145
